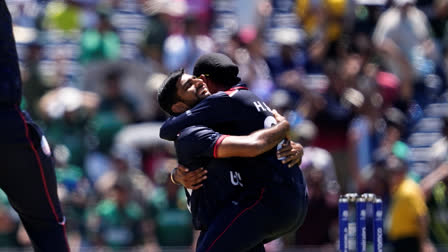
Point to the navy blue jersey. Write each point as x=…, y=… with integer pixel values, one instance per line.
x=237, y=112
x=10, y=82
x=196, y=147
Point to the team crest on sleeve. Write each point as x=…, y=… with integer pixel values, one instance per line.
x=188, y=112
x=45, y=146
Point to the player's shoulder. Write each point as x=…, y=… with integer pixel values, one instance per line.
x=194, y=132
x=215, y=98
x=234, y=93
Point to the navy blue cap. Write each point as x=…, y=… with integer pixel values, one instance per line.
x=218, y=66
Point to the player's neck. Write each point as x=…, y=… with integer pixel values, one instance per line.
x=213, y=88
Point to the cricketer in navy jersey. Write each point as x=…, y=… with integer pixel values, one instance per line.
x=274, y=194
x=196, y=147
x=27, y=175
x=238, y=111
x=281, y=200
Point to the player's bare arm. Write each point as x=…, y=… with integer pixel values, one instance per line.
x=252, y=145
x=235, y=146
x=256, y=143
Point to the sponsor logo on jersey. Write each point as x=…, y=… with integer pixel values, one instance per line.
x=235, y=178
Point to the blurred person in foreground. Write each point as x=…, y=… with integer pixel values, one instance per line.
x=261, y=188
x=28, y=176
x=407, y=217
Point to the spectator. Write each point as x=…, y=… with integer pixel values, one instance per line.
x=182, y=50
x=394, y=132
x=116, y=221
x=63, y=15
x=319, y=228
x=333, y=121
x=435, y=188
x=168, y=208
x=34, y=83
x=287, y=67
x=74, y=191
x=439, y=150
x=115, y=100
x=156, y=31
x=100, y=43
x=125, y=164
x=401, y=35
x=322, y=19
x=250, y=58
x=408, y=213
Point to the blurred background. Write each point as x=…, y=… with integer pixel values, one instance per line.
x=359, y=80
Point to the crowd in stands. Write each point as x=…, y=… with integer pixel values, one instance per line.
x=362, y=83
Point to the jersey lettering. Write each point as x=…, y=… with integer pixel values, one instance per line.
x=235, y=178
x=267, y=107
x=259, y=106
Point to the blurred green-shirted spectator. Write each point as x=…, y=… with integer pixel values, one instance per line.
x=106, y=125
x=116, y=221
x=71, y=130
x=74, y=191
x=101, y=42
x=438, y=212
x=168, y=208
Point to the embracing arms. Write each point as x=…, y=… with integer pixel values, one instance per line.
x=256, y=143
x=251, y=145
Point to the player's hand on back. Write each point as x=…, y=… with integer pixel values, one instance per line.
x=292, y=153
x=279, y=118
x=189, y=179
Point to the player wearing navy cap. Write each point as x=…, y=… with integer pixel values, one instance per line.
x=27, y=174
x=281, y=201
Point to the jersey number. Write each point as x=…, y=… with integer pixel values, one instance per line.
x=270, y=121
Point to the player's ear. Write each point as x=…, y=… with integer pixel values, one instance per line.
x=179, y=107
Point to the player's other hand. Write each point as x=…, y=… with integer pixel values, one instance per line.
x=279, y=118
x=190, y=179
x=292, y=153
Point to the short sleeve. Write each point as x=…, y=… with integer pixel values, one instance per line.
x=198, y=141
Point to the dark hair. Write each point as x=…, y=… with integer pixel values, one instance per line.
x=167, y=93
